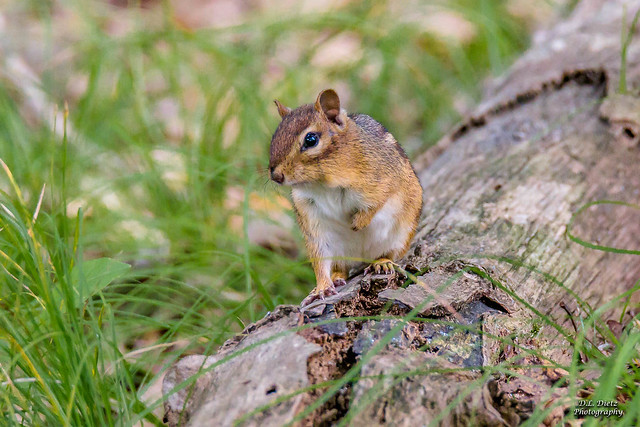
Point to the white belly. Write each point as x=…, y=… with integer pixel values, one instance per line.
x=331, y=212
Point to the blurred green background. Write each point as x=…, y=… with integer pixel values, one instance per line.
x=161, y=164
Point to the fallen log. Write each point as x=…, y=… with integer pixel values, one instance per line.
x=504, y=263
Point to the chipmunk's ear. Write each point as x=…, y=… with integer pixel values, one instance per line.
x=328, y=103
x=282, y=110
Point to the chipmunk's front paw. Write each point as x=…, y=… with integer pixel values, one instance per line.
x=319, y=294
x=360, y=220
x=384, y=265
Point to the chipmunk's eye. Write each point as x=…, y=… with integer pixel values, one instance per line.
x=310, y=140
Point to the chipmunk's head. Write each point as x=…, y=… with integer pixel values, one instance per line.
x=304, y=143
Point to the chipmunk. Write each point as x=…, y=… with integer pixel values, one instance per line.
x=355, y=193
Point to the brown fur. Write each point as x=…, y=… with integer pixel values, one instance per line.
x=356, y=153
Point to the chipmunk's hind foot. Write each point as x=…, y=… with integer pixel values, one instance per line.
x=381, y=265
x=339, y=278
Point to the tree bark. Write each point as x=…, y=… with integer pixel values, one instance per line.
x=492, y=253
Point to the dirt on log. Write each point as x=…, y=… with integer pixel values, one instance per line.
x=492, y=254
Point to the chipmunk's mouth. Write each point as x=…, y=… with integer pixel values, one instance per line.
x=285, y=182
x=281, y=179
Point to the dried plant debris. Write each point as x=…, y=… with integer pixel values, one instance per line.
x=427, y=362
x=405, y=377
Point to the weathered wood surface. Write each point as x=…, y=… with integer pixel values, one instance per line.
x=500, y=188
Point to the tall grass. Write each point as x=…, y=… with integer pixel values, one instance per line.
x=161, y=166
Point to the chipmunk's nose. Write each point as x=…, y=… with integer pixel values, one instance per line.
x=277, y=176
